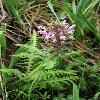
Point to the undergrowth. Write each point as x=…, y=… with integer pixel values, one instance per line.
x=49, y=50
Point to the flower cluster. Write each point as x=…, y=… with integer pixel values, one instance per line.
x=57, y=32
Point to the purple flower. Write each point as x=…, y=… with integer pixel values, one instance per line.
x=63, y=37
x=57, y=32
x=70, y=29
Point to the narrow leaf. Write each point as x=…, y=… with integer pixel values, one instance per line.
x=52, y=9
x=2, y=43
x=75, y=92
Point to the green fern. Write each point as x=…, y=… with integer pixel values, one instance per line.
x=41, y=65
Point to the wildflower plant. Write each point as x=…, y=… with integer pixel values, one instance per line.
x=57, y=34
x=65, y=65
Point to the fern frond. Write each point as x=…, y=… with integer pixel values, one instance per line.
x=11, y=72
x=33, y=42
x=53, y=77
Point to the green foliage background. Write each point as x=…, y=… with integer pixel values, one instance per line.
x=36, y=72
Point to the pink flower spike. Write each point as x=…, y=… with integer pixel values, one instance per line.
x=70, y=32
x=43, y=32
x=47, y=37
x=71, y=28
x=63, y=37
x=65, y=23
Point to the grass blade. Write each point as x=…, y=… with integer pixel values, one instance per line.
x=75, y=92
x=52, y=9
x=3, y=43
